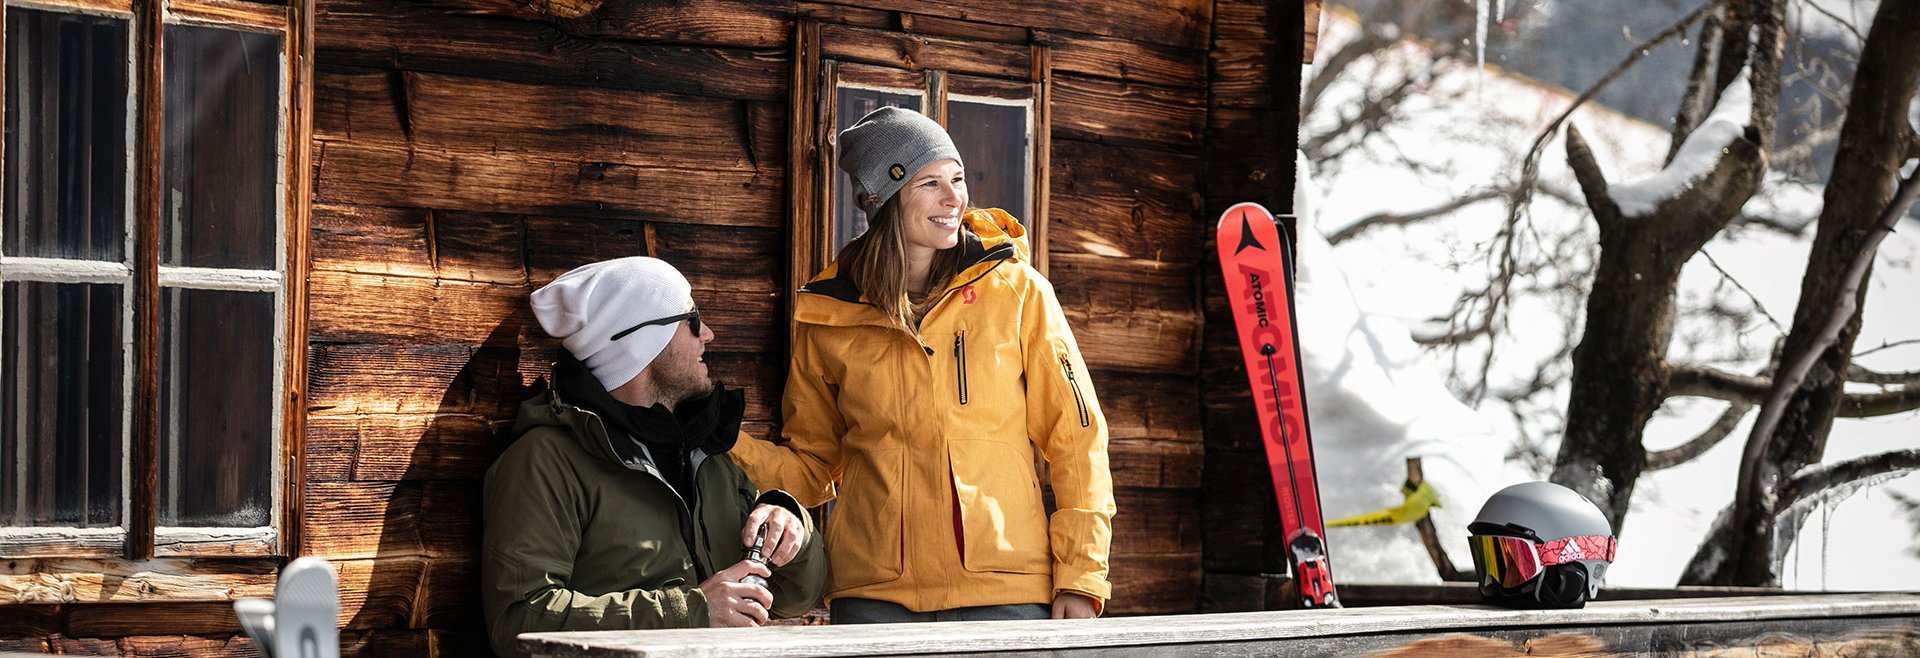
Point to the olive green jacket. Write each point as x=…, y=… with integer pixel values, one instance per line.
x=577, y=538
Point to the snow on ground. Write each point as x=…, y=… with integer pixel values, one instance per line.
x=1377, y=397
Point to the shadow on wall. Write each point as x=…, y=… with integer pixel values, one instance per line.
x=423, y=596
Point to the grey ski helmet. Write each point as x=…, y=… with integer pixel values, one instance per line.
x=1540, y=544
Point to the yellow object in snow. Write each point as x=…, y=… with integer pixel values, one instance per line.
x=1418, y=500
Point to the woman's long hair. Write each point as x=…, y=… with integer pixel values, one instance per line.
x=877, y=261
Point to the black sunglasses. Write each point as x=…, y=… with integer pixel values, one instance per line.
x=692, y=317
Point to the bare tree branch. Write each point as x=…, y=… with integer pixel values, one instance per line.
x=1790, y=378
x=1378, y=220
x=1869, y=405
x=1705, y=382
x=1757, y=306
x=1836, y=18
x=1814, y=480
x=1699, y=445
x=1700, y=96
x=1592, y=181
x=1888, y=346
x=1860, y=374
x=1373, y=38
x=1375, y=113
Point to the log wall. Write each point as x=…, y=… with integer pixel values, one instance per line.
x=1252, y=135
x=466, y=152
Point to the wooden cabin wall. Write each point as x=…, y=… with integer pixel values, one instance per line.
x=468, y=151
x=1252, y=135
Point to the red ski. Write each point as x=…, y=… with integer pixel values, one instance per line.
x=1258, y=267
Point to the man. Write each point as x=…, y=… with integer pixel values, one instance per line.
x=617, y=506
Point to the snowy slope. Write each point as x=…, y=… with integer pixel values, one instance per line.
x=1377, y=396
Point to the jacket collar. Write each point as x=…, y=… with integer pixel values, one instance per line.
x=832, y=299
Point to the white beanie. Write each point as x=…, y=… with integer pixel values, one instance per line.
x=585, y=307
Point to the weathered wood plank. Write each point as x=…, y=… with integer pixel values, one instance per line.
x=1170, y=22
x=442, y=39
x=1242, y=73
x=61, y=580
x=417, y=242
x=1155, y=465
x=1242, y=19
x=1154, y=407
x=386, y=447
x=359, y=308
x=738, y=23
x=37, y=644
x=1238, y=517
x=30, y=621
x=1148, y=584
x=372, y=173
x=1126, y=202
x=117, y=620
x=918, y=52
x=457, y=641
x=1130, y=315
x=1156, y=522
x=717, y=260
x=1126, y=60
x=973, y=31
x=1124, y=113
x=502, y=248
x=409, y=592
x=551, y=121
x=186, y=646
x=488, y=381
x=365, y=308
x=361, y=520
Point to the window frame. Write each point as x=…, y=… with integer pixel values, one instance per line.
x=875, y=58
x=138, y=538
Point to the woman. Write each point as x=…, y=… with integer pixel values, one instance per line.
x=929, y=363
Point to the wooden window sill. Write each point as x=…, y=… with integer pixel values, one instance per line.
x=83, y=580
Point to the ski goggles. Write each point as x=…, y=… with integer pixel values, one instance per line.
x=1511, y=562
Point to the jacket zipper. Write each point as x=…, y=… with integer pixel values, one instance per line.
x=1074, y=383
x=687, y=510
x=960, y=362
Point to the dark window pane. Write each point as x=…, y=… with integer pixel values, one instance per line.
x=995, y=141
x=216, y=408
x=850, y=105
x=61, y=382
x=66, y=136
x=220, y=165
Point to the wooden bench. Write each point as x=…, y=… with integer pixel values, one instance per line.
x=1824, y=624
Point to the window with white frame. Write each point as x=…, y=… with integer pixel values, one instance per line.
x=73, y=259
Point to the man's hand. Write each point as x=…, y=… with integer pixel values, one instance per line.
x=1071, y=605
x=784, y=533
x=734, y=603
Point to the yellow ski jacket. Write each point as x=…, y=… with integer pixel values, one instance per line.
x=929, y=442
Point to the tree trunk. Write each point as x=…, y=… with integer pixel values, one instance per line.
x=1619, y=368
x=1874, y=142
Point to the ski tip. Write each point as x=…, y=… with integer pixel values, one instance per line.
x=1243, y=210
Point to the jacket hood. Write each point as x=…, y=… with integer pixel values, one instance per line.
x=548, y=410
x=992, y=237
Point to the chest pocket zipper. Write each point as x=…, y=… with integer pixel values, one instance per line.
x=960, y=363
x=1079, y=401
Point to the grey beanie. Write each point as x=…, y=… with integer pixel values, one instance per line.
x=887, y=146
